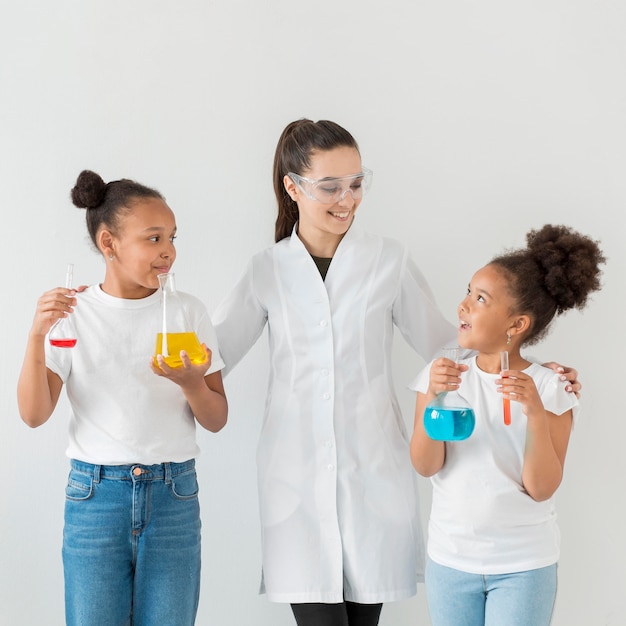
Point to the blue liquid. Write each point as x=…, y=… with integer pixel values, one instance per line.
x=445, y=423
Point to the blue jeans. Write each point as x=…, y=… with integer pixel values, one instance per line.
x=131, y=545
x=457, y=598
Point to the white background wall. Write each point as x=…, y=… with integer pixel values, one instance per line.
x=480, y=119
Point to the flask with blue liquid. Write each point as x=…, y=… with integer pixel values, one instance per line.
x=448, y=417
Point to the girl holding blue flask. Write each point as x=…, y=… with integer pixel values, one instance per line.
x=493, y=541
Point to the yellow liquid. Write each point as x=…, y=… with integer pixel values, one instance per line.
x=177, y=342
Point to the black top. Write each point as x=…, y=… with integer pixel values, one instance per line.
x=322, y=265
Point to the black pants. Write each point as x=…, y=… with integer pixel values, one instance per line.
x=343, y=614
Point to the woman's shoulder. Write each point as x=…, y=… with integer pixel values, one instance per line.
x=388, y=247
x=273, y=249
x=357, y=233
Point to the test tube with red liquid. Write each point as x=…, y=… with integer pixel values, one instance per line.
x=62, y=334
x=506, y=403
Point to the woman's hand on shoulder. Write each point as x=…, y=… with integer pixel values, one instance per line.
x=567, y=373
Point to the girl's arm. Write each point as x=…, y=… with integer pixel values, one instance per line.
x=547, y=437
x=205, y=394
x=208, y=402
x=38, y=388
x=428, y=455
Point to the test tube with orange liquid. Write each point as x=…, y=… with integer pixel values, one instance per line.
x=506, y=403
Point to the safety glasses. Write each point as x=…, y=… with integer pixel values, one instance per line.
x=333, y=190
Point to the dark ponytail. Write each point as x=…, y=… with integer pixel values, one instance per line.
x=297, y=143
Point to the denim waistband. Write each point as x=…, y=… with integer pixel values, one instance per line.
x=161, y=471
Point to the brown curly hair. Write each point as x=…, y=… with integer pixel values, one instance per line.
x=556, y=272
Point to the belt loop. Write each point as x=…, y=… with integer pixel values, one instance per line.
x=97, y=470
x=168, y=473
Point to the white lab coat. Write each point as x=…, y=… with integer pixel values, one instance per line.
x=338, y=496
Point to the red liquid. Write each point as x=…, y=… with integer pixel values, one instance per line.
x=63, y=343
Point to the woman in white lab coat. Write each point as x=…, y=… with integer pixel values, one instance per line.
x=340, y=517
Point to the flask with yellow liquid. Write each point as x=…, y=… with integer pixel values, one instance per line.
x=175, y=333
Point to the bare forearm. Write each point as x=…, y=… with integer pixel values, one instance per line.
x=35, y=397
x=209, y=406
x=543, y=470
x=427, y=455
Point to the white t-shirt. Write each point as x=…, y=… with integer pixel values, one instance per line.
x=482, y=520
x=123, y=413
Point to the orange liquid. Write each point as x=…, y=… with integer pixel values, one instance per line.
x=506, y=403
x=506, y=406
x=177, y=342
x=63, y=343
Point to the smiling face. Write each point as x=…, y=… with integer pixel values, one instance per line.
x=486, y=313
x=321, y=226
x=142, y=248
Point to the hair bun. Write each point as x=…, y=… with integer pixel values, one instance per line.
x=89, y=190
x=569, y=262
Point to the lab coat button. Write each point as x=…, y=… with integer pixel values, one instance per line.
x=324, y=372
x=323, y=323
x=326, y=396
x=331, y=467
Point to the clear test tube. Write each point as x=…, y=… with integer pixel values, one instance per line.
x=62, y=333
